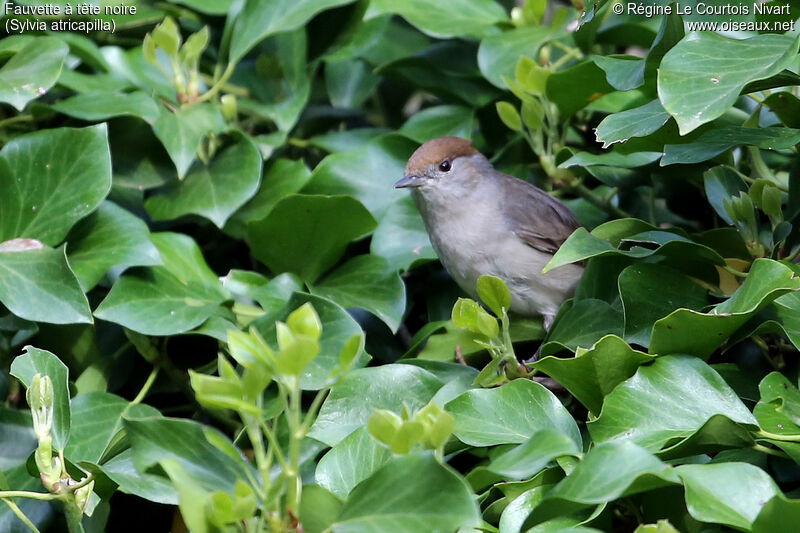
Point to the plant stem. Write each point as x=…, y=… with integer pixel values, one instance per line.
x=214, y=89
x=584, y=192
x=773, y=436
x=15, y=119
x=254, y=434
x=44, y=496
x=274, y=445
x=770, y=451
x=295, y=436
x=311, y=415
x=18, y=512
x=146, y=387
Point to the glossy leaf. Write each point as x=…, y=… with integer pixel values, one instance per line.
x=510, y=414
x=172, y=298
x=51, y=179
x=701, y=76
x=282, y=239
x=32, y=71
x=101, y=106
x=410, y=493
x=592, y=374
x=351, y=461
x=38, y=285
x=109, y=237
x=466, y=17
x=157, y=439
x=181, y=133
x=498, y=54
x=214, y=191
x=726, y=493
x=669, y=399
x=353, y=399
x=258, y=20
x=636, y=122
x=676, y=333
x=369, y=282
x=367, y=174
x=401, y=237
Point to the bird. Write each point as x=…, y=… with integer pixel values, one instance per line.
x=481, y=221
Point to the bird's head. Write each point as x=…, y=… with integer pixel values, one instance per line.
x=445, y=163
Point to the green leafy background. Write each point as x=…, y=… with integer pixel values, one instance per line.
x=139, y=223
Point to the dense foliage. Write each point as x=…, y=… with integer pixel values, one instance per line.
x=216, y=313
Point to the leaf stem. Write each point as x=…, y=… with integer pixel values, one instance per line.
x=147, y=384
x=587, y=194
x=18, y=512
x=43, y=496
x=220, y=83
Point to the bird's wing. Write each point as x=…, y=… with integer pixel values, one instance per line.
x=540, y=220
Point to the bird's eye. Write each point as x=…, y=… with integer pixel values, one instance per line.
x=444, y=166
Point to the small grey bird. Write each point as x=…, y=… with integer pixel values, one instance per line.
x=481, y=221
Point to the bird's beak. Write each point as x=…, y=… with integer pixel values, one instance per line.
x=409, y=181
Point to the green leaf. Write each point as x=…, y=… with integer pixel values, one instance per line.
x=366, y=174
x=258, y=20
x=464, y=17
x=721, y=184
x=338, y=328
x=439, y=121
x=786, y=106
x=592, y=374
x=96, y=422
x=351, y=461
x=570, y=96
x=510, y=414
x=150, y=486
x=498, y=54
x=96, y=106
x=32, y=71
x=778, y=515
x=350, y=82
x=718, y=140
x=38, y=285
x=677, y=332
x=671, y=398
x=354, y=398
x=214, y=191
x=612, y=159
x=726, y=493
x=369, y=282
x=283, y=178
x=165, y=300
x=624, y=469
x=182, y=132
x=155, y=439
x=622, y=72
x=35, y=361
x=307, y=234
x=401, y=237
x=644, y=301
x=581, y=324
x=636, y=122
x=109, y=237
x=701, y=76
x=494, y=293
x=318, y=509
x=51, y=179
x=409, y=494
x=778, y=410
x=533, y=455
x=509, y=115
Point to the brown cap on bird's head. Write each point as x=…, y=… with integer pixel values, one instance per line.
x=437, y=150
